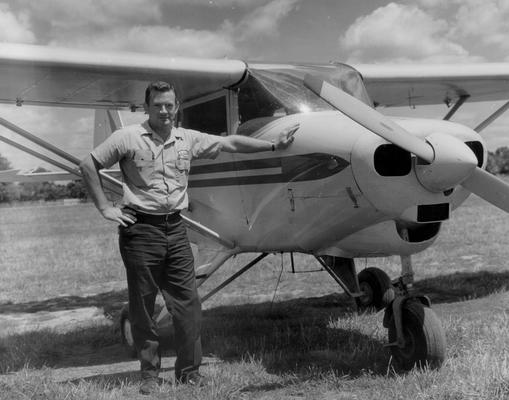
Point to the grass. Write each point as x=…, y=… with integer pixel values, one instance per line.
x=307, y=344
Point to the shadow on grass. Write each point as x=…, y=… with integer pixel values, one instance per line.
x=112, y=302
x=297, y=337
x=291, y=337
x=287, y=337
x=463, y=285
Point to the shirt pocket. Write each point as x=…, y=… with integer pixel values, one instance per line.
x=143, y=168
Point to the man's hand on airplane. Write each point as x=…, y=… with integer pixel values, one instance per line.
x=285, y=137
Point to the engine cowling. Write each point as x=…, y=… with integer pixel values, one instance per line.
x=403, y=187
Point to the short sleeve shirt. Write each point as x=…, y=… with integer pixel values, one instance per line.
x=155, y=172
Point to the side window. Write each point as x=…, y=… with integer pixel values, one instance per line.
x=208, y=116
x=256, y=102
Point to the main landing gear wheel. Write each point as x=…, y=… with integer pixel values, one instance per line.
x=126, y=333
x=376, y=287
x=424, y=338
x=162, y=320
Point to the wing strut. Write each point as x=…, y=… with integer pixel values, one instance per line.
x=39, y=141
x=492, y=117
x=114, y=184
x=456, y=106
x=234, y=276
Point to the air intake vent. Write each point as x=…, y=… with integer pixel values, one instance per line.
x=433, y=212
x=478, y=150
x=391, y=160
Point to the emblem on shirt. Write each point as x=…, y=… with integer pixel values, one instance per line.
x=183, y=160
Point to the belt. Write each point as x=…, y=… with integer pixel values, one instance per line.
x=157, y=218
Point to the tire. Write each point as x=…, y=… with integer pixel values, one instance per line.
x=126, y=334
x=377, y=288
x=164, y=328
x=424, y=338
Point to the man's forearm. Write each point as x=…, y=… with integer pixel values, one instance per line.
x=245, y=144
x=90, y=174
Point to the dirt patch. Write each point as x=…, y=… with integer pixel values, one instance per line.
x=117, y=371
x=61, y=321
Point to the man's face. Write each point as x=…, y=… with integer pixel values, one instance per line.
x=162, y=110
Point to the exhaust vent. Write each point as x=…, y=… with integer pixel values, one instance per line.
x=417, y=233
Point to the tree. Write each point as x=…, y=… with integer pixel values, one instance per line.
x=76, y=190
x=492, y=163
x=7, y=190
x=4, y=163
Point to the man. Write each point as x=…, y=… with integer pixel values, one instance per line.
x=154, y=158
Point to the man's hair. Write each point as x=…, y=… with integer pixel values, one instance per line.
x=158, y=86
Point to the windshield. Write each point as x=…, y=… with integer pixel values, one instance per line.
x=271, y=92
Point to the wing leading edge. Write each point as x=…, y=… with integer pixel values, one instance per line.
x=51, y=76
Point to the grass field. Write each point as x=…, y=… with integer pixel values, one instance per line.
x=274, y=334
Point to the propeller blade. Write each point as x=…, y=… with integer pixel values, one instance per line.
x=369, y=118
x=488, y=187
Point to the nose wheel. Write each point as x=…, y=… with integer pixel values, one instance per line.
x=376, y=289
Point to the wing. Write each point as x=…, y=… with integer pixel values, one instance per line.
x=41, y=75
x=409, y=85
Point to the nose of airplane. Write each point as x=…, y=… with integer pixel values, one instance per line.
x=480, y=182
x=453, y=162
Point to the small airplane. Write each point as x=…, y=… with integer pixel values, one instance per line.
x=354, y=183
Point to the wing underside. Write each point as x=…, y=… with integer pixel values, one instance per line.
x=38, y=75
x=411, y=85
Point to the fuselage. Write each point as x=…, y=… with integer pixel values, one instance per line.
x=338, y=189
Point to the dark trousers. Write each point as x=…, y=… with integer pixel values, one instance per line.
x=157, y=255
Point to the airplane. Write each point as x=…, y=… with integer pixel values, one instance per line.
x=354, y=183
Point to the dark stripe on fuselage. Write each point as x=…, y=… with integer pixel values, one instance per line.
x=306, y=167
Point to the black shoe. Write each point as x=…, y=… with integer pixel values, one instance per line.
x=193, y=378
x=148, y=386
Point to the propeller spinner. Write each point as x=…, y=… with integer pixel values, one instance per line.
x=450, y=161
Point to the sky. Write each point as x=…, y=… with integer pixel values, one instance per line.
x=351, y=31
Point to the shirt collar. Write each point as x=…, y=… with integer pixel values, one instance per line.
x=175, y=134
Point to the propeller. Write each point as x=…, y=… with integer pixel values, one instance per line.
x=476, y=180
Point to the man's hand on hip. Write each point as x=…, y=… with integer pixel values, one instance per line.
x=123, y=216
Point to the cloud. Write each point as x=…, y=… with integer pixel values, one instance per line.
x=14, y=27
x=264, y=21
x=144, y=32
x=64, y=16
x=401, y=33
x=221, y=3
x=154, y=39
x=479, y=25
x=140, y=25
x=485, y=21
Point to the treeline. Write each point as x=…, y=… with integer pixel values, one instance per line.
x=498, y=161
x=34, y=191
x=47, y=191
